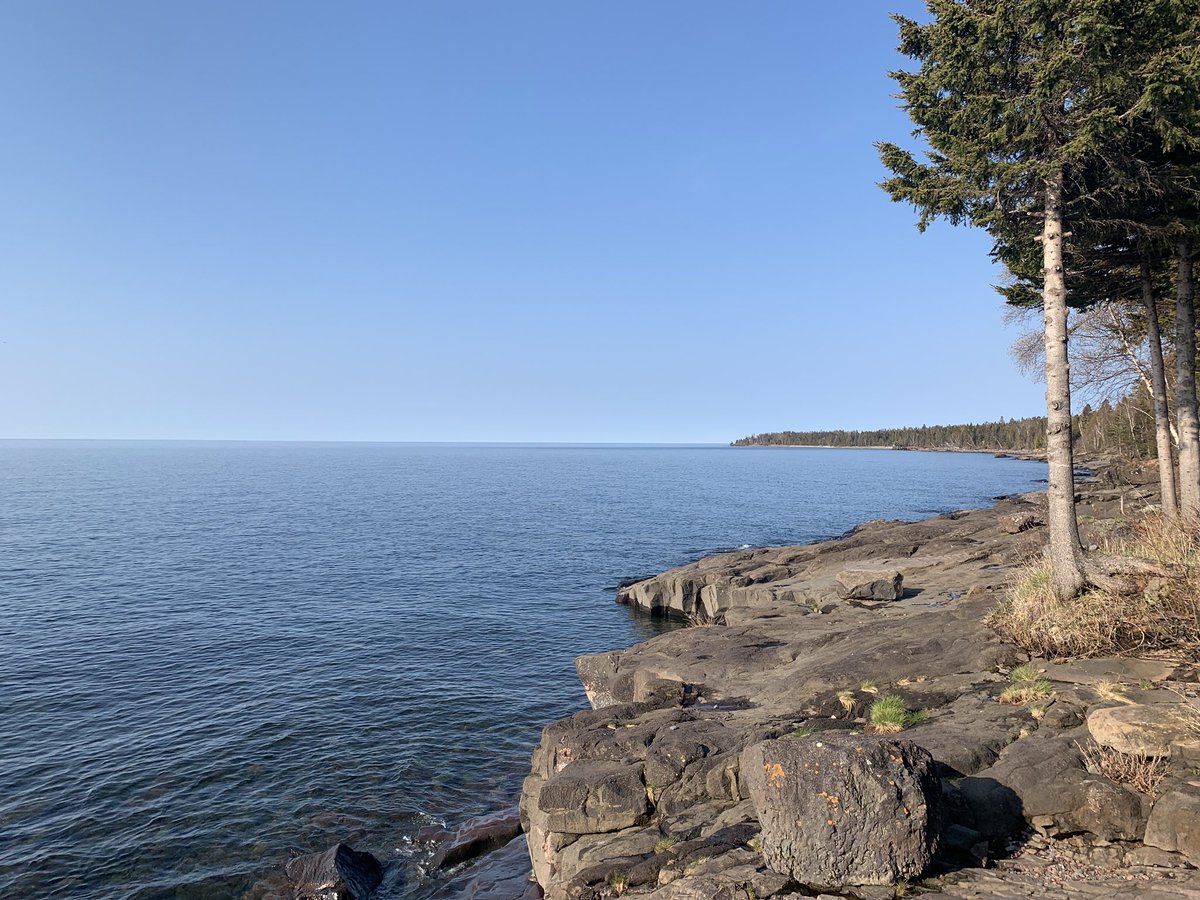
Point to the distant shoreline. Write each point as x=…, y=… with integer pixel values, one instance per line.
x=1035, y=455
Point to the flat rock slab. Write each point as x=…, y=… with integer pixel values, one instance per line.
x=844, y=809
x=1118, y=668
x=1055, y=885
x=1139, y=729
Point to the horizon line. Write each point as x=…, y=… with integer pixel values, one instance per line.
x=189, y=440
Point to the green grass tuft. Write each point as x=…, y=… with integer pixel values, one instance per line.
x=1027, y=691
x=1024, y=672
x=889, y=715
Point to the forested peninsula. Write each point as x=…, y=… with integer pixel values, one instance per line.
x=1125, y=428
x=1016, y=435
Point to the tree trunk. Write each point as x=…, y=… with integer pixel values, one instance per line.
x=1185, y=386
x=1066, y=554
x=1158, y=384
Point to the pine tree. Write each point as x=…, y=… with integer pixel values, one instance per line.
x=1171, y=100
x=1017, y=101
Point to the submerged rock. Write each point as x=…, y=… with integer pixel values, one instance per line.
x=477, y=837
x=844, y=809
x=340, y=873
x=500, y=875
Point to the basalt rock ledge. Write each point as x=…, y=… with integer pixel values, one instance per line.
x=658, y=790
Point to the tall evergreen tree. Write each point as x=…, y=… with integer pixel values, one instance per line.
x=1168, y=146
x=1016, y=101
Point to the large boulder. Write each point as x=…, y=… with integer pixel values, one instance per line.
x=340, y=873
x=1175, y=821
x=1141, y=730
x=844, y=809
x=864, y=584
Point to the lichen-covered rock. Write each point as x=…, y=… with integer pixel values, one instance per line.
x=340, y=873
x=844, y=809
x=858, y=584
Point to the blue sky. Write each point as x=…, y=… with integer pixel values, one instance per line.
x=485, y=220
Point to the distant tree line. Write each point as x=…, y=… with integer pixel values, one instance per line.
x=1010, y=434
x=1125, y=427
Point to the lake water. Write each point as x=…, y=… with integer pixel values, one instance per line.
x=215, y=656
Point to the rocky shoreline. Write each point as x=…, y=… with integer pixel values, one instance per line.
x=694, y=774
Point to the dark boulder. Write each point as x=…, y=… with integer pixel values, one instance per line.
x=845, y=809
x=1042, y=776
x=340, y=873
x=477, y=837
x=858, y=584
x=1019, y=522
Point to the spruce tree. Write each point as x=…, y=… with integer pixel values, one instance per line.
x=1016, y=101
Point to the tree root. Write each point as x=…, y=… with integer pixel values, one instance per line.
x=1121, y=574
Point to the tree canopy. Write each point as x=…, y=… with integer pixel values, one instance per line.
x=1027, y=111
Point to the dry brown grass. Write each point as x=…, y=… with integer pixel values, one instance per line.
x=1110, y=690
x=698, y=618
x=1154, y=613
x=1027, y=692
x=1142, y=773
